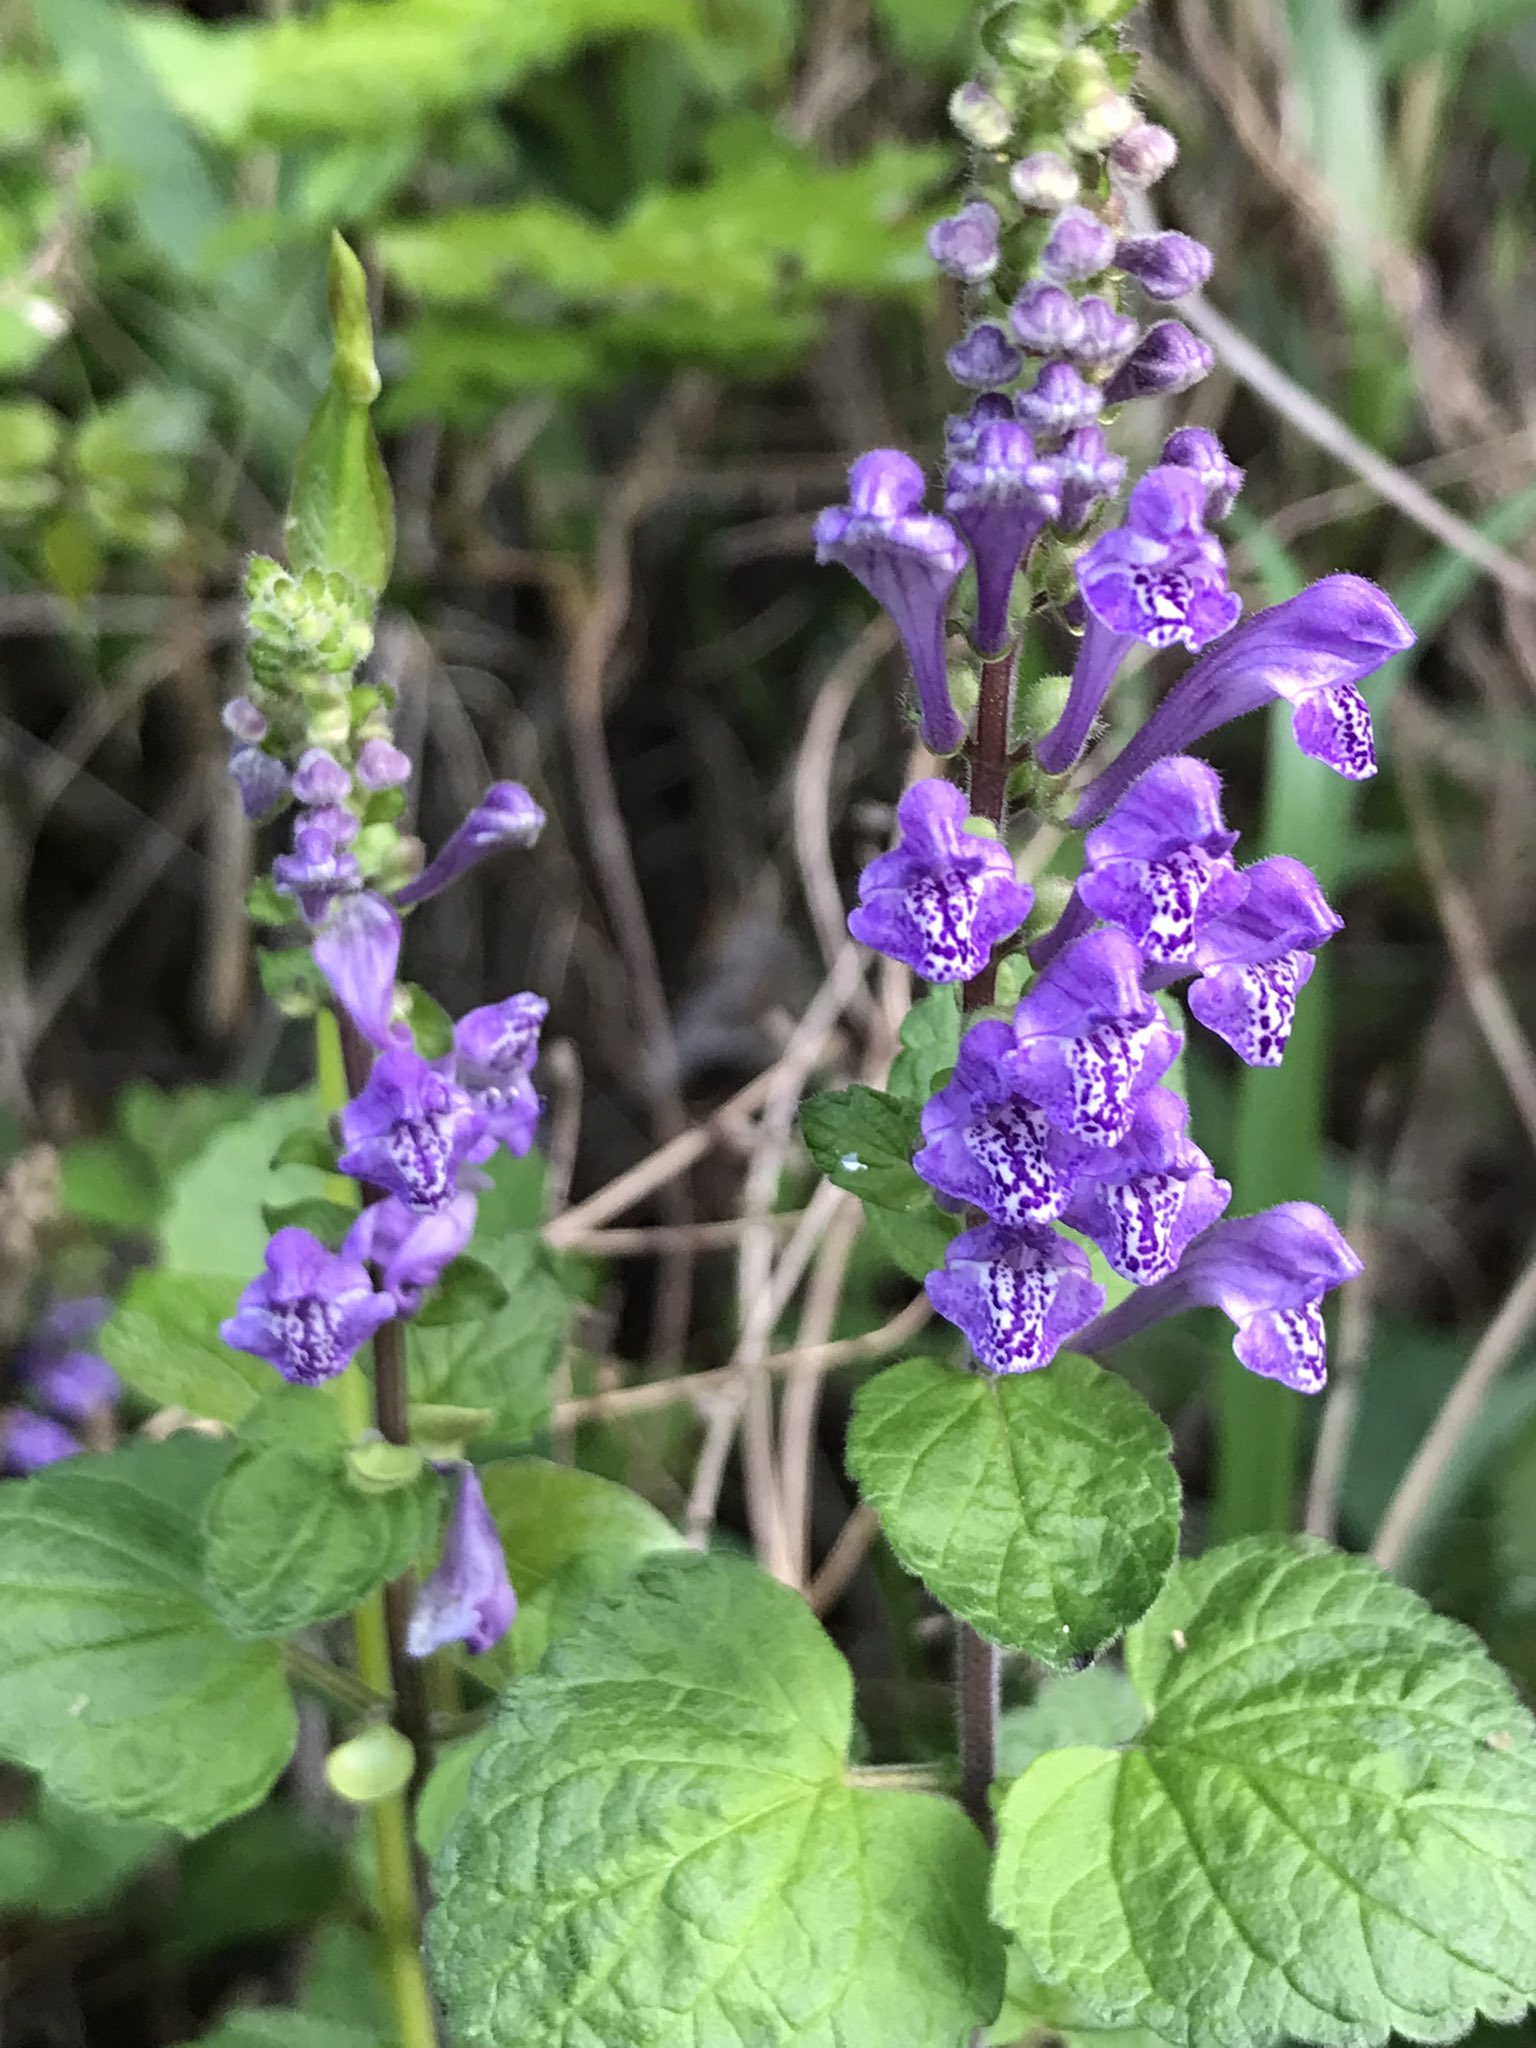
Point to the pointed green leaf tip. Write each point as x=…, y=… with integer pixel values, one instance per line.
x=660, y=1845
x=352, y=364
x=1326, y=1829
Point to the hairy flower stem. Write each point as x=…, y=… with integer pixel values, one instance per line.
x=378, y=1645
x=979, y=1662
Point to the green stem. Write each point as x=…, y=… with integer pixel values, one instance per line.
x=343, y=1688
x=380, y=1670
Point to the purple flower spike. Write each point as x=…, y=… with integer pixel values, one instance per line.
x=1017, y=1294
x=1198, y=450
x=1159, y=578
x=1312, y=650
x=1159, y=866
x=962, y=430
x=1088, y=474
x=28, y=1442
x=320, y=778
x=244, y=721
x=1088, y=1041
x=985, y=359
x=1256, y=960
x=907, y=560
x=496, y=1048
x=943, y=897
x=357, y=949
x=1166, y=266
x=1268, y=1273
x=309, y=1312
x=505, y=816
x=76, y=1386
x=984, y=1144
x=1167, y=360
x=381, y=765
x=999, y=498
x=1058, y=401
x=1046, y=321
x=1078, y=247
x=411, y=1250
x=261, y=781
x=964, y=244
x=1105, y=337
x=469, y=1598
x=410, y=1131
x=319, y=869
x=1143, y=1200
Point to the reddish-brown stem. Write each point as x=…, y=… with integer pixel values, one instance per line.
x=978, y=1685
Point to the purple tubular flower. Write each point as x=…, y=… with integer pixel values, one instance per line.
x=1167, y=360
x=1017, y=1294
x=1058, y=401
x=381, y=765
x=1088, y=474
x=1078, y=247
x=984, y=1144
x=469, y=1598
x=1043, y=181
x=1144, y=1200
x=309, y=1312
x=261, y=781
x=1255, y=961
x=964, y=244
x=357, y=949
x=999, y=498
x=1142, y=155
x=410, y=1250
x=319, y=869
x=495, y=1050
x=984, y=359
x=1159, y=866
x=1089, y=1041
x=1167, y=265
x=1198, y=450
x=28, y=1442
x=320, y=778
x=505, y=816
x=1105, y=337
x=962, y=430
x=943, y=897
x=1046, y=320
x=244, y=721
x=1313, y=650
x=77, y=1386
x=907, y=560
x=410, y=1131
x=1159, y=578
x=1267, y=1273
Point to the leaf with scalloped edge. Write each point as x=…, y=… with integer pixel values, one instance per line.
x=1326, y=1829
x=660, y=1846
x=1042, y=1508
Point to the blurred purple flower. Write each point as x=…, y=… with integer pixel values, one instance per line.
x=469, y=1598
x=309, y=1312
x=410, y=1131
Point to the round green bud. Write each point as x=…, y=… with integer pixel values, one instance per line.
x=446, y=1431
x=328, y=725
x=979, y=116
x=1052, y=895
x=1039, y=706
x=377, y=1467
x=372, y=1766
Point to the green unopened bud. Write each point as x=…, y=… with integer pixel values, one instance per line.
x=1039, y=706
x=372, y=1766
x=1103, y=121
x=329, y=725
x=1013, y=976
x=982, y=828
x=979, y=116
x=1052, y=895
x=352, y=363
x=400, y=863
x=378, y=1467
x=964, y=685
x=1083, y=76
x=445, y=1432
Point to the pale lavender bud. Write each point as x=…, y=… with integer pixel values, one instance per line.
x=244, y=721
x=1046, y=320
x=381, y=765
x=357, y=949
x=320, y=778
x=1105, y=337
x=1168, y=359
x=1044, y=182
x=1166, y=266
x=1078, y=247
x=1142, y=155
x=1059, y=401
x=979, y=116
x=1197, y=449
x=1088, y=474
x=469, y=1598
x=985, y=359
x=962, y=430
x=964, y=244
x=261, y=782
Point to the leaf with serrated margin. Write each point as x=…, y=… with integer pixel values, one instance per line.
x=1042, y=1507
x=1326, y=1829
x=119, y=1683
x=863, y=1141
x=930, y=1044
x=659, y=1846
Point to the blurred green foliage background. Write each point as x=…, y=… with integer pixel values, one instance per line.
x=649, y=273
